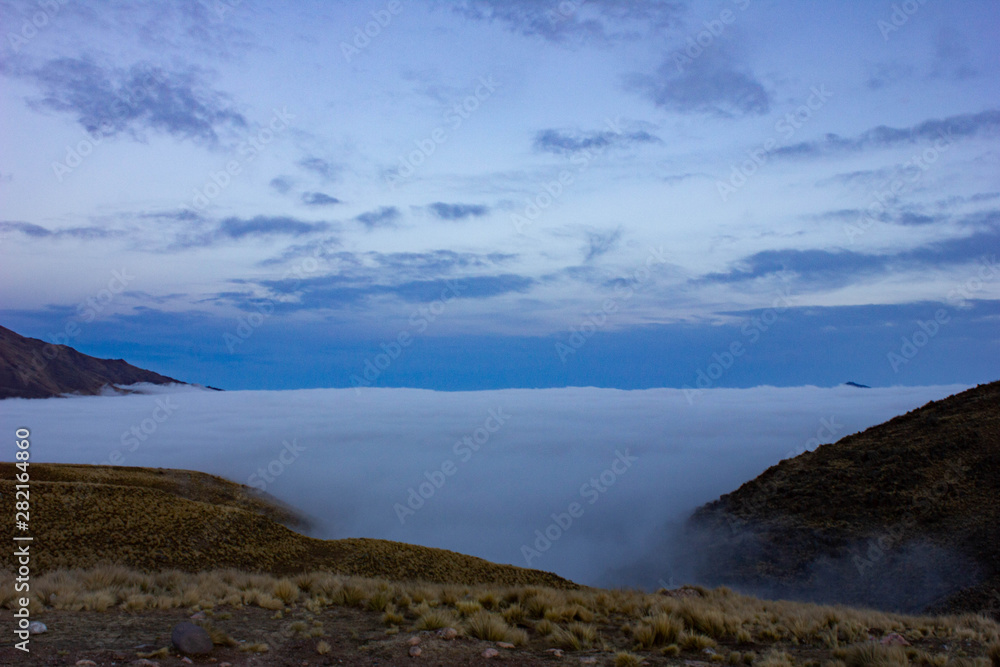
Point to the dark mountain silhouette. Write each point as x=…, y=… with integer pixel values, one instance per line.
x=903, y=516
x=32, y=368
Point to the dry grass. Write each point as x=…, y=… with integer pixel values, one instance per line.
x=873, y=654
x=574, y=620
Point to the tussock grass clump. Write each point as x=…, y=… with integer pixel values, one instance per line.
x=489, y=626
x=657, y=630
x=435, y=619
x=625, y=659
x=994, y=655
x=873, y=654
x=774, y=658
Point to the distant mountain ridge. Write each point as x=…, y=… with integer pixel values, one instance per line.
x=32, y=368
x=904, y=516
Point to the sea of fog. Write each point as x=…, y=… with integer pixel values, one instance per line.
x=587, y=483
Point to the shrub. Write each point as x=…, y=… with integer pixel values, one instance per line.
x=995, y=654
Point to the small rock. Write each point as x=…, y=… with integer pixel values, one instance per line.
x=490, y=653
x=37, y=627
x=85, y=663
x=198, y=616
x=557, y=652
x=894, y=639
x=189, y=638
x=187, y=660
x=415, y=651
x=447, y=633
x=413, y=641
x=708, y=651
x=505, y=645
x=145, y=662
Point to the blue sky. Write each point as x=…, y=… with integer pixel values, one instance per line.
x=485, y=194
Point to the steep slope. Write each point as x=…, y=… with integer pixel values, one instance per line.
x=905, y=515
x=153, y=519
x=32, y=368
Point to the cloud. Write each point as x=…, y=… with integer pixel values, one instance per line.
x=599, y=243
x=318, y=199
x=953, y=127
x=574, y=20
x=951, y=56
x=362, y=453
x=562, y=143
x=37, y=231
x=281, y=184
x=840, y=267
x=238, y=228
x=327, y=170
x=883, y=75
x=712, y=84
x=142, y=97
x=458, y=211
x=337, y=290
x=385, y=216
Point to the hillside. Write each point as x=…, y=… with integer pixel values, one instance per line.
x=32, y=368
x=150, y=519
x=904, y=515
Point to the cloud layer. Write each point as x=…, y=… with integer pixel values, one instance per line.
x=636, y=462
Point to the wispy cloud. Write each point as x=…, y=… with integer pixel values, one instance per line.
x=563, y=142
x=37, y=231
x=952, y=127
x=385, y=216
x=601, y=243
x=713, y=84
x=318, y=199
x=458, y=211
x=575, y=20
x=323, y=168
x=143, y=97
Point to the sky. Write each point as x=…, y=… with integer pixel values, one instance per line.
x=592, y=484
x=490, y=194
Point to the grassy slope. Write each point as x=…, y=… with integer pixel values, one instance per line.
x=150, y=519
x=930, y=477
